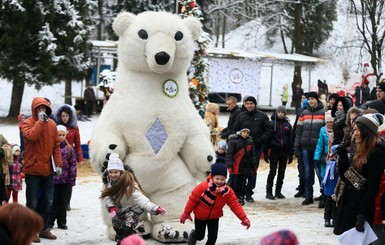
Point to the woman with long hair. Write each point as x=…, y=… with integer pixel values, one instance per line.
x=360, y=174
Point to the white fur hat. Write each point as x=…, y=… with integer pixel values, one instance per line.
x=15, y=148
x=61, y=128
x=114, y=163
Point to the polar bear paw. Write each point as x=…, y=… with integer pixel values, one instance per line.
x=169, y=233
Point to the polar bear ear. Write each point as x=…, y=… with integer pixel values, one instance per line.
x=194, y=25
x=122, y=22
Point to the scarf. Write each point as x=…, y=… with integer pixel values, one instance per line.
x=329, y=132
x=210, y=194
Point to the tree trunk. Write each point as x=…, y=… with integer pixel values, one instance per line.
x=17, y=96
x=68, y=92
x=224, y=30
x=298, y=44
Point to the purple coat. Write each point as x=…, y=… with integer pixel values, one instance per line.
x=68, y=175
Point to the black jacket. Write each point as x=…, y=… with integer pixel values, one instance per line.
x=282, y=139
x=241, y=156
x=226, y=132
x=258, y=123
x=360, y=202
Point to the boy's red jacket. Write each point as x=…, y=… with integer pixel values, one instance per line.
x=204, y=212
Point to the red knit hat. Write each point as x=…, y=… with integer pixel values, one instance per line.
x=282, y=237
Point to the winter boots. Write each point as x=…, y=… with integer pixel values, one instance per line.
x=278, y=193
x=269, y=193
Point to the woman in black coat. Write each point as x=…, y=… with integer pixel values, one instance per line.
x=357, y=202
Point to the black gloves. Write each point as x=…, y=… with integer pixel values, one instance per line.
x=290, y=159
x=360, y=221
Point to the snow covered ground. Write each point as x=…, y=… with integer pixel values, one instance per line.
x=266, y=216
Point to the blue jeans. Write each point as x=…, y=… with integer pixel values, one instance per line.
x=44, y=185
x=308, y=162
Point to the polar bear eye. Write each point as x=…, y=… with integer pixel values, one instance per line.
x=178, y=36
x=143, y=34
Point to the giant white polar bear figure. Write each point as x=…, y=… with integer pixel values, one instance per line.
x=150, y=116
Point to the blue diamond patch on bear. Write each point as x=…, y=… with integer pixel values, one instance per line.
x=156, y=136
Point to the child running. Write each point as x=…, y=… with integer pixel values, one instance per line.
x=124, y=199
x=63, y=183
x=207, y=201
x=15, y=183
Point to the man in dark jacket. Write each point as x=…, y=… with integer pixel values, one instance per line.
x=260, y=131
x=89, y=100
x=234, y=112
x=309, y=124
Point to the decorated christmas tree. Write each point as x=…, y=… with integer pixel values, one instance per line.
x=198, y=86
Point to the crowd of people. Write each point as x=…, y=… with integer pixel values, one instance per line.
x=47, y=158
x=335, y=142
x=340, y=145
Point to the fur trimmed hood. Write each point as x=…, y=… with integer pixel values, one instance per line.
x=73, y=122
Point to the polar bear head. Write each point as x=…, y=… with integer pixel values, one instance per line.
x=157, y=42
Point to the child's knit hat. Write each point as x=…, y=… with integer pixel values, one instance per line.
x=114, y=163
x=15, y=148
x=219, y=169
x=281, y=108
x=61, y=128
x=280, y=237
x=222, y=144
x=328, y=116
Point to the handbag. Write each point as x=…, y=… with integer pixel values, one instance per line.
x=356, y=179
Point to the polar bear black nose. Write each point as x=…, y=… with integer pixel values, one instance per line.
x=162, y=58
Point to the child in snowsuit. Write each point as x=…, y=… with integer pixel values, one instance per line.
x=15, y=183
x=207, y=201
x=221, y=151
x=63, y=183
x=281, y=146
x=124, y=199
x=242, y=162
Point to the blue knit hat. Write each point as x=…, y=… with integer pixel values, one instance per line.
x=219, y=169
x=222, y=144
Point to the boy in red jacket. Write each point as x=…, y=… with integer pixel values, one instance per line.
x=207, y=201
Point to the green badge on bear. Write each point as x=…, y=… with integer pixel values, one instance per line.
x=170, y=88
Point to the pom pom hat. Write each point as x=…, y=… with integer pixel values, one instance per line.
x=371, y=121
x=61, y=128
x=114, y=163
x=219, y=169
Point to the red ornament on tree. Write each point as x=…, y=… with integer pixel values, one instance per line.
x=192, y=4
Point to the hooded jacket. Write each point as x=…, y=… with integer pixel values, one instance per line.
x=73, y=135
x=282, y=139
x=41, y=142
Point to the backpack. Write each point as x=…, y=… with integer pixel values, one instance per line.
x=331, y=177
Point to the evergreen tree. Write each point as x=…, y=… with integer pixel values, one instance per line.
x=198, y=86
x=304, y=24
x=136, y=7
x=42, y=42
